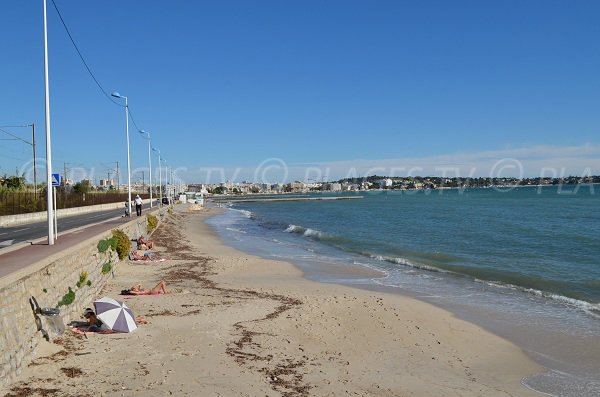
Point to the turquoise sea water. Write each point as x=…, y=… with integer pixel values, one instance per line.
x=522, y=262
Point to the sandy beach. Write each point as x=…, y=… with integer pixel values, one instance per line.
x=238, y=325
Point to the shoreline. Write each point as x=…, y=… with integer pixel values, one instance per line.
x=251, y=326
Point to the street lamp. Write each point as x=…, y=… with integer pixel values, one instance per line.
x=167, y=190
x=149, y=161
x=117, y=95
x=169, y=182
x=49, y=188
x=159, y=175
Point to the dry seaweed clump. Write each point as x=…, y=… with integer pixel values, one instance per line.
x=123, y=244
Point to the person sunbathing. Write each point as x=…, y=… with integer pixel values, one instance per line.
x=142, y=243
x=136, y=256
x=138, y=289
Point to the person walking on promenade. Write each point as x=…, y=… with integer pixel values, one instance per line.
x=127, y=209
x=138, y=205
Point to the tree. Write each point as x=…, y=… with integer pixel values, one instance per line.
x=13, y=182
x=82, y=187
x=218, y=190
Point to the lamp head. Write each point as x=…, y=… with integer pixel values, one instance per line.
x=116, y=94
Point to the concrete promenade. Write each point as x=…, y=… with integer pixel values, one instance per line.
x=13, y=262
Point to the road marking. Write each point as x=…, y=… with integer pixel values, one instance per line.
x=1, y=234
x=6, y=243
x=20, y=230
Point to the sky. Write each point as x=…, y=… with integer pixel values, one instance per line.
x=274, y=90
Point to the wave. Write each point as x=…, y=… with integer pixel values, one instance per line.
x=592, y=309
x=406, y=262
x=245, y=213
x=308, y=232
x=233, y=229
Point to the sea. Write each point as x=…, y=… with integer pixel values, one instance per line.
x=522, y=262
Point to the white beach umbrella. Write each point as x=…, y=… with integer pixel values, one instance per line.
x=116, y=315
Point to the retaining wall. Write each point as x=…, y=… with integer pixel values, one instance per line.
x=48, y=281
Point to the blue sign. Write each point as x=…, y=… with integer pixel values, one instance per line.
x=55, y=179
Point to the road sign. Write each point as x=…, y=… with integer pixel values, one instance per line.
x=55, y=179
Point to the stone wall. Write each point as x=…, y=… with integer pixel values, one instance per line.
x=49, y=281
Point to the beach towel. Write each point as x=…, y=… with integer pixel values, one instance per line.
x=80, y=331
x=149, y=260
x=129, y=293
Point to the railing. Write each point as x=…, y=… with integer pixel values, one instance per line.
x=13, y=203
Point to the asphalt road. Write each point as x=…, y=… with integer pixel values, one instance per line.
x=32, y=231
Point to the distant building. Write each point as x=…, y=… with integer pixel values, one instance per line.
x=385, y=183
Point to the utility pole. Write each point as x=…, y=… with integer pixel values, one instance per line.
x=65, y=170
x=143, y=182
x=34, y=167
x=118, y=178
x=32, y=143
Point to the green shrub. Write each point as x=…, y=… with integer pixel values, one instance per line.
x=82, y=278
x=103, y=245
x=170, y=210
x=114, y=241
x=89, y=283
x=107, y=267
x=67, y=299
x=152, y=222
x=122, y=242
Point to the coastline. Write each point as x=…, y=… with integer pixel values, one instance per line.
x=242, y=325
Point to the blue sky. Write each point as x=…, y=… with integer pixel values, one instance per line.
x=234, y=83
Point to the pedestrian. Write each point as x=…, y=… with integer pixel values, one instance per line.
x=138, y=205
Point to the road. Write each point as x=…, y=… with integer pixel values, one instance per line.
x=32, y=231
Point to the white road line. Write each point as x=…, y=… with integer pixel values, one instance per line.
x=20, y=230
x=6, y=243
x=1, y=234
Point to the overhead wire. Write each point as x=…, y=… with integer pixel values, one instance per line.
x=104, y=92
x=16, y=137
x=82, y=58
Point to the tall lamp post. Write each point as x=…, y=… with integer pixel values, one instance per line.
x=149, y=161
x=117, y=95
x=159, y=176
x=49, y=188
x=168, y=192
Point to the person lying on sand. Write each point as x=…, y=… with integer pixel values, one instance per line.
x=160, y=288
x=136, y=256
x=142, y=243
